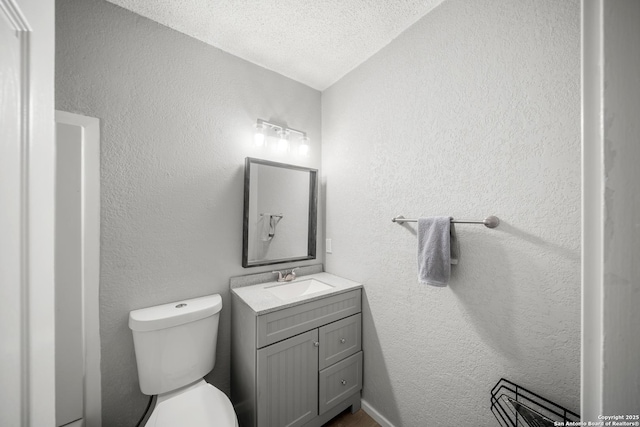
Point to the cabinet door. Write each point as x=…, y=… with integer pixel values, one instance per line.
x=288, y=381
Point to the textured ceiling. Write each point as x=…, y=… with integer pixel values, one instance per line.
x=315, y=42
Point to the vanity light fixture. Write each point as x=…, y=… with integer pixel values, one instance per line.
x=283, y=140
x=258, y=137
x=303, y=148
x=283, y=132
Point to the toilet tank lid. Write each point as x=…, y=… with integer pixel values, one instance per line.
x=174, y=313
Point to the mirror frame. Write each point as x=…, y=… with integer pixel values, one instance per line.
x=313, y=213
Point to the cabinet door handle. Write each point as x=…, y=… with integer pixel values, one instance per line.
x=342, y=340
x=316, y=344
x=343, y=382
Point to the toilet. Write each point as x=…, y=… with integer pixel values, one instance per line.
x=175, y=347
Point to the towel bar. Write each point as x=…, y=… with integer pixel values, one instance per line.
x=489, y=222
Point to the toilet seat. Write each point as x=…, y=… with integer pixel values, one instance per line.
x=199, y=404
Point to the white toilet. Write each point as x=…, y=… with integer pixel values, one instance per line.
x=175, y=348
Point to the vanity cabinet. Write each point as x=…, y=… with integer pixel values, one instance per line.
x=296, y=366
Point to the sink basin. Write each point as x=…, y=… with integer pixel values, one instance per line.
x=290, y=290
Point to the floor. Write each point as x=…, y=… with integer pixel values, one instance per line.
x=347, y=419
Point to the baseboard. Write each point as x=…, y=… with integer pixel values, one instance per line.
x=373, y=413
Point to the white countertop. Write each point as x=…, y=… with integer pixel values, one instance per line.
x=262, y=301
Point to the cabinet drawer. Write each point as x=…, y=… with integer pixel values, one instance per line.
x=339, y=340
x=340, y=381
x=282, y=324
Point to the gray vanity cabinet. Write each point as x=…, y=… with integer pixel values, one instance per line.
x=298, y=366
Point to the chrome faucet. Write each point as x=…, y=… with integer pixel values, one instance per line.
x=286, y=276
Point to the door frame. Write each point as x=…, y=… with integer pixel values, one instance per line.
x=592, y=209
x=27, y=331
x=90, y=178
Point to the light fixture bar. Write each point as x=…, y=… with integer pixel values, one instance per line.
x=279, y=127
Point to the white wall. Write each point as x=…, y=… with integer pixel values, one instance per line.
x=473, y=111
x=621, y=142
x=176, y=124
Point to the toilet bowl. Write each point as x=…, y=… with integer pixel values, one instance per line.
x=175, y=346
x=199, y=404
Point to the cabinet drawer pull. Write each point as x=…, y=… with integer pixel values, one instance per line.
x=343, y=382
x=316, y=344
x=342, y=340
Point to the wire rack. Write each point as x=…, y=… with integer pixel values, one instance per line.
x=515, y=406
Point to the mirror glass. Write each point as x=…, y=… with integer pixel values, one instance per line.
x=280, y=213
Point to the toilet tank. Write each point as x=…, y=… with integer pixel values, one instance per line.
x=175, y=343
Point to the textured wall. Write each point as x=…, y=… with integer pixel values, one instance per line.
x=176, y=122
x=621, y=374
x=473, y=111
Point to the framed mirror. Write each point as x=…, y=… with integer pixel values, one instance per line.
x=280, y=213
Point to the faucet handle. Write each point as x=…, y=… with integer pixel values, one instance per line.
x=279, y=273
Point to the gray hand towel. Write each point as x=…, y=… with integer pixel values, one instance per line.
x=455, y=245
x=437, y=242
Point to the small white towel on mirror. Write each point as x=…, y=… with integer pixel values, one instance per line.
x=265, y=227
x=438, y=248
